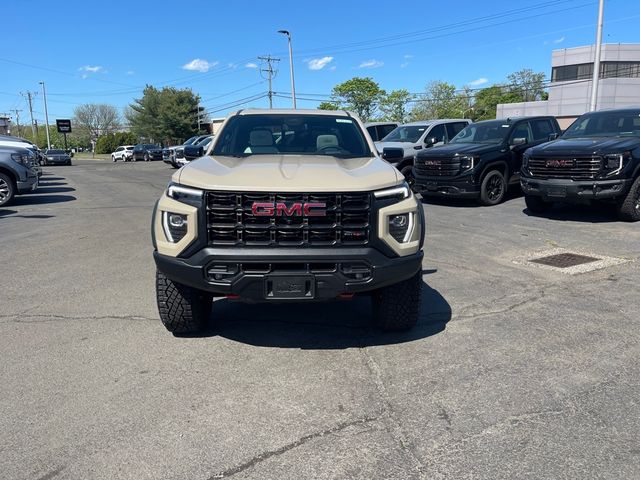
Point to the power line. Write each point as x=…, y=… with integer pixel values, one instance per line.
x=271, y=73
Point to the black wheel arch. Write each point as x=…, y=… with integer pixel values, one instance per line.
x=11, y=174
x=499, y=165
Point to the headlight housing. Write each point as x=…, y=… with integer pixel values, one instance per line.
x=188, y=195
x=468, y=162
x=174, y=226
x=21, y=158
x=613, y=163
x=525, y=159
x=400, y=192
x=399, y=219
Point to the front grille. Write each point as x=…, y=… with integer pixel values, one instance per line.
x=437, y=166
x=180, y=153
x=230, y=220
x=577, y=168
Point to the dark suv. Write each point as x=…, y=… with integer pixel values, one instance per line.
x=597, y=158
x=147, y=152
x=482, y=160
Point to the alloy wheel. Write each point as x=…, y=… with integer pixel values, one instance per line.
x=4, y=191
x=495, y=188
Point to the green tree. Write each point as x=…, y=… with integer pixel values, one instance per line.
x=441, y=100
x=165, y=115
x=529, y=86
x=362, y=95
x=394, y=106
x=328, y=106
x=487, y=99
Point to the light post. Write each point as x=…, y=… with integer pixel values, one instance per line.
x=46, y=115
x=293, y=83
x=596, y=63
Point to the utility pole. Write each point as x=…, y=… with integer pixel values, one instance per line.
x=271, y=73
x=46, y=115
x=34, y=130
x=596, y=63
x=17, y=112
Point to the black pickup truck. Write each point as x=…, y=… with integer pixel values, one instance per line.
x=597, y=158
x=482, y=160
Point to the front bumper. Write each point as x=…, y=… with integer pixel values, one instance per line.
x=30, y=184
x=568, y=190
x=460, y=187
x=331, y=272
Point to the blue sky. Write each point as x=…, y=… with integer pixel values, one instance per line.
x=105, y=52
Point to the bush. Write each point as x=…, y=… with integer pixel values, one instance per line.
x=108, y=143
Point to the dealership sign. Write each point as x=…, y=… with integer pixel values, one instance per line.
x=64, y=126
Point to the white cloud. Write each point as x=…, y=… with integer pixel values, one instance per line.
x=478, y=81
x=408, y=56
x=333, y=68
x=199, y=65
x=319, y=63
x=130, y=72
x=371, y=64
x=559, y=40
x=90, y=69
x=251, y=65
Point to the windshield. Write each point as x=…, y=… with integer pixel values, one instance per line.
x=406, y=133
x=605, y=124
x=55, y=152
x=483, y=132
x=292, y=134
x=190, y=140
x=129, y=148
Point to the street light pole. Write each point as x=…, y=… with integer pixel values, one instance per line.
x=46, y=115
x=293, y=83
x=596, y=63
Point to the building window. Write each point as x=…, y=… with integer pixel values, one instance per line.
x=584, y=71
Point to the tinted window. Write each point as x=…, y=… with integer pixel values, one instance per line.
x=522, y=130
x=292, y=134
x=384, y=130
x=455, y=128
x=374, y=134
x=129, y=148
x=542, y=129
x=606, y=124
x=406, y=133
x=494, y=131
x=437, y=132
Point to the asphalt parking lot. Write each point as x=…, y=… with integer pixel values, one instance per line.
x=514, y=371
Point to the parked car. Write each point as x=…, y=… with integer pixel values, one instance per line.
x=56, y=157
x=147, y=152
x=17, y=175
x=9, y=141
x=483, y=160
x=124, y=153
x=401, y=145
x=191, y=152
x=596, y=158
x=379, y=130
x=172, y=154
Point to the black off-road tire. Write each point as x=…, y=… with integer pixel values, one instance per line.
x=536, y=204
x=397, y=307
x=7, y=190
x=629, y=208
x=182, y=309
x=493, y=188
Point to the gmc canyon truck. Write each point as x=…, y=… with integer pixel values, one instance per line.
x=597, y=158
x=288, y=206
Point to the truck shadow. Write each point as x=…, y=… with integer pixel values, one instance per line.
x=565, y=212
x=513, y=193
x=321, y=326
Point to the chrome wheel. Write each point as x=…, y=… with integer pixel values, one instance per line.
x=6, y=190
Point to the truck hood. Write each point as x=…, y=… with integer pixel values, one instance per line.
x=453, y=149
x=288, y=173
x=406, y=146
x=586, y=146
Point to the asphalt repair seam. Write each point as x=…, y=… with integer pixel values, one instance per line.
x=582, y=262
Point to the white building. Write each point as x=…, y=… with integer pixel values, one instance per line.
x=571, y=79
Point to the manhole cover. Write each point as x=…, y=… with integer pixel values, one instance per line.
x=564, y=260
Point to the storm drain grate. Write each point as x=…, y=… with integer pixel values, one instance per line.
x=564, y=260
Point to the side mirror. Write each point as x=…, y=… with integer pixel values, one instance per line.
x=193, y=151
x=430, y=142
x=393, y=155
x=515, y=142
x=553, y=136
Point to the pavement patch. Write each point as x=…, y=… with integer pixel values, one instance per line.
x=569, y=262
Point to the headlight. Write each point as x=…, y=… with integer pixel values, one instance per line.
x=612, y=164
x=188, y=195
x=400, y=192
x=174, y=225
x=21, y=158
x=401, y=226
x=467, y=162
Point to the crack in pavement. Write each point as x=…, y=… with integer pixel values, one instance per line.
x=301, y=441
x=540, y=295
x=15, y=318
x=393, y=423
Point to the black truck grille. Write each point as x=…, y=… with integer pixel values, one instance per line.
x=437, y=166
x=578, y=168
x=231, y=220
